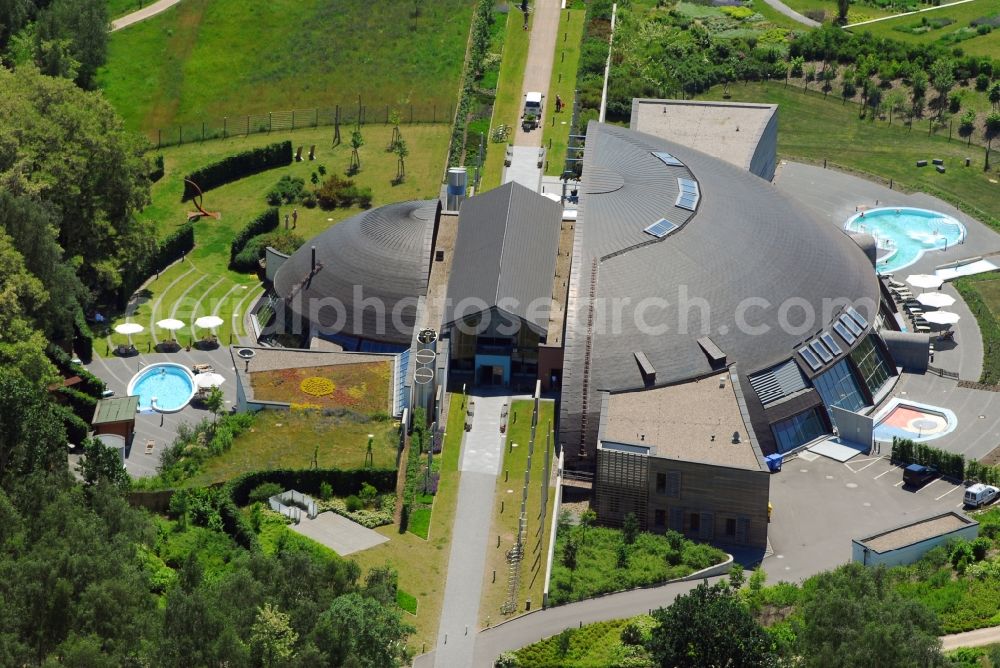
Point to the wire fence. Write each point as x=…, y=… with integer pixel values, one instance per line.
x=336, y=116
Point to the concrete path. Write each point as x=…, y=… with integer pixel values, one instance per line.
x=976, y=638
x=541, y=56
x=482, y=452
x=142, y=14
x=896, y=16
x=338, y=533
x=792, y=14
x=524, y=167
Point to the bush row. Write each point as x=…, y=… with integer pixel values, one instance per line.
x=344, y=482
x=235, y=167
x=249, y=258
x=83, y=338
x=481, y=20
x=170, y=249
x=89, y=384
x=80, y=403
x=905, y=451
x=265, y=222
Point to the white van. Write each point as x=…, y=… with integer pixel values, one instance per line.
x=980, y=494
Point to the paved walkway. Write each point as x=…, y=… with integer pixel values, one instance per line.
x=976, y=638
x=896, y=16
x=142, y=14
x=482, y=452
x=792, y=14
x=338, y=533
x=541, y=56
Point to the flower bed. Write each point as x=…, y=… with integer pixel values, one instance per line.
x=362, y=387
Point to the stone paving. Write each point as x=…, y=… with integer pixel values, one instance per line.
x=338, y=533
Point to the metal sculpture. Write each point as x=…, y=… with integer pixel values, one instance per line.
x=197, y=200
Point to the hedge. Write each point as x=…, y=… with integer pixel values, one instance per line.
x=83, y=341
x=343, y=481
x=265, y=222
x=169, y=250
x=76, y=428
x=81, y=404
x=90, y=384
x=905, y=451
x=235, y=167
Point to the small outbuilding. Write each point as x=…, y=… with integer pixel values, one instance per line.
x=116, y=416
x=908, y=543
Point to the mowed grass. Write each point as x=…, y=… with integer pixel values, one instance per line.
x=290, y=439
x=507, y=107
x=555, y=136
x=202, y=284
x=206, y=59
x=814, y=129
x=423, y=564
x=979, y=45
x=119, y=8
x=505, y=523
x=857, y=11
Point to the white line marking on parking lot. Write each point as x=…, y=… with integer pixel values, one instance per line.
x=884, y=472
x=898, y=483
x=876, y=461
x=927, y=485
x=948, y=492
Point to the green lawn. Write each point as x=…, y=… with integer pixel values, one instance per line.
x=773, y=16
x=203, y=60
x=203, y=284
x=281, y=439
x=423, y=564
x=815, y=129
x=978, y=45
x=117, y=8
x=555, y=136
x=507, y=107
x=982, y=295
x=857, y=11
x=588, y=647
x=420, y=522
x=505, y=523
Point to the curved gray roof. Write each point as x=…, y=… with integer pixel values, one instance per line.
x=745, y=241
x=382, y=254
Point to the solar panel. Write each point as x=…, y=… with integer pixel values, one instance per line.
x=830, y=343
x=858, y=318
x=851, y=325
x=660, y=228
x=821, y=350
x=668, y=159
x=845, y=333
x=810, y=359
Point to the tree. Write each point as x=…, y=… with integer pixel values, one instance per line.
x=708, y=626
x=991, y=128
x=101, y=464
x=942, y=76
x=382, y=583
x=853, y=617
x=401, y=152
x=80, y=28
x=272, y=638
x=357, y=141
x=215, y=401
x=569, y=553
x=394, y=118
x=630, y=528
x=359, y=631
x=895, y=100
x=967, y=125
x=994, y=96
x=842, y=8
x=918, y=84
x=32, y=438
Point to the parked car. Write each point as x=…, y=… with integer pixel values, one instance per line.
x=531, y=116
x=918, y=475
x=979, y=495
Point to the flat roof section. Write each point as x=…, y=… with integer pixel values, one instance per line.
x=726, y=130
x=693, y=421
x=117, y=409
x=916, y=532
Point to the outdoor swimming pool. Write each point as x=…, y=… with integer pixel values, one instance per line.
x=165, y=387
x=904, y=234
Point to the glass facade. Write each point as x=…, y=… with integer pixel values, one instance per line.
x=872, y=364
x=838, y=387
x=798, y=429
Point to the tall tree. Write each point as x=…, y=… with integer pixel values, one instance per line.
x=943, y=79
x=709, y=626
x=272, y=638
x=991, y=128
x=80, y=27
x=359, y=631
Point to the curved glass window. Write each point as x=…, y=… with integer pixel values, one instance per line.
x=797, y=430
x=838, y=387
x=874, y=368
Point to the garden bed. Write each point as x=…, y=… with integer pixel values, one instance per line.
x=362, y=387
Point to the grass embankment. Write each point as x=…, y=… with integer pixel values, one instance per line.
x=982, y=295
x=651, y=559
x=507, y=107
x=423, y=564
x=857, y=11
x=536, y=545
x=954, y=30
x=557, y=126
x=202, y=283
x=814, y=129
x=290, y=440
x=587, y=647
x=202, y=60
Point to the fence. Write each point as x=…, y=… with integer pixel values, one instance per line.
x=295, y=119
x=292, y=503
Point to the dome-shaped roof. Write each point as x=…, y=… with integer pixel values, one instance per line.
x=368, y=268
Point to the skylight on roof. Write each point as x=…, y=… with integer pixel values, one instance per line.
x=851, y=324
x=810, y=358
x=660, y=228
x=668, y=159
x=844, y=333
x=858, y=318
x=830, y=343
x=821, y=350
x=688, y=195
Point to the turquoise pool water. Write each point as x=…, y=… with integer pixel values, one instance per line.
x=904, y=234
x=163, y=387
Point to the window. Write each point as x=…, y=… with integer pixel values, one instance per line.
x=695, y=522
x=661, y=483
x=659, y=518
x=798, y=429
x=673, y=484
x=676, y=519
x=839, y=387
x=872, y=365
x=731, y=526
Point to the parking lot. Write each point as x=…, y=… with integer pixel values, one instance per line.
x=820, y=505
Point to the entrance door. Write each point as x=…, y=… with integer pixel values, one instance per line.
x=497, y=376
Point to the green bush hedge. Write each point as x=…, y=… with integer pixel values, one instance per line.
x=235, y=167
x=172, y=248
x=80, y=403
x=308, y=481
x=906, y=451
x=263, y=223
x=76, y=428
x=83, y=339
x=249, y=258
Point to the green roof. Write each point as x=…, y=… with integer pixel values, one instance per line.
x=118, y=409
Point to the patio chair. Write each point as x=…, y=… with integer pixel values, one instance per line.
x=947, y=335
x=150, y=444
x=921, y=329
x=203, y=368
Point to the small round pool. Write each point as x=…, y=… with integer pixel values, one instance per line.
x=164, y=387
x=904, y=234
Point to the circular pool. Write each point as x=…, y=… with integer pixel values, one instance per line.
x=164, y=387
x=904, y=234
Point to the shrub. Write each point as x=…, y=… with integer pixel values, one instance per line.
x=354, y=504
x=81, y=404
x=325, y=490
x=265, y=222
x=631, y=634
x=980, y=547
x=76, y=428
x=284, y=241
x=335, y=192
x=83, y=340
x=172, y=248
x=344, y=482
x=235, y=167
x=286, y=190
x=264, y=491
x=368, y=494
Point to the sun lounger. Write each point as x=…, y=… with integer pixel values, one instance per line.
x=203, y=368
x=921, y=329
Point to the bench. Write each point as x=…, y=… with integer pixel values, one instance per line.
x=921, y=163
x=938, y=161
x=940, y=169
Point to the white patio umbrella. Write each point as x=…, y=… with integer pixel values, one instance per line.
x=171, y=324
x=208, y=321
x=935, y=299
x=211, y=379
x=942, y=317
x=924, y=281
x=128, y=329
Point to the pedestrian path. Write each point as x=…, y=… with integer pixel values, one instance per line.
x=482, y=452
x=142, y=14
x=792, y=14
